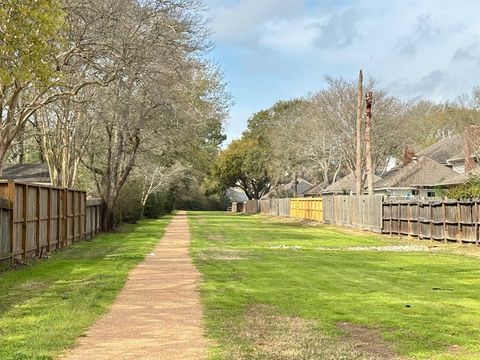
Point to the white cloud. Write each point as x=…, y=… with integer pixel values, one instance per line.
x=239, y=21
x=296, y=35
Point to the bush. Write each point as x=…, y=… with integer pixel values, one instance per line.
x=468, y=190
x=158, y=204
x=198, y=201
x=129, y=205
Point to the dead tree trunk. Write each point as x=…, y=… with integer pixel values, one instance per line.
x=368, y=141
x=358, y=149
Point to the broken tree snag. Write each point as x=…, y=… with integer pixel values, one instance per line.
x=358, y=148
x=368, y=140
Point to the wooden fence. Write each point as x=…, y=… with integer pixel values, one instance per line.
x=276, y=207
x=252, y=207
x=44, y=218
x=5, y=214
x=363, y=211
x=448, y=220
x=307, y=208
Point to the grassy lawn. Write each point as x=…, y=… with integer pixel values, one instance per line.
x=276, y=290
x=45, y=306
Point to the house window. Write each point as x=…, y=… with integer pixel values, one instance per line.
x=430, y=194
x=415, y=192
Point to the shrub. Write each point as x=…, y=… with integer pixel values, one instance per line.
x=470, y=189
x=158, y=204
x=129, y=205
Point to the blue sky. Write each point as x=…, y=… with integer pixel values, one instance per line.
x=272, y=50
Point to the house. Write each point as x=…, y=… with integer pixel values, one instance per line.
x=345, y=185
x=444, y=149
x=458, y=161
x=288, y=189
x=421, y=177
x=316, y=190
x=439, y=166
x=31, y=173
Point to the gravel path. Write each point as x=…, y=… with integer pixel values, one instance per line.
x=158, y=314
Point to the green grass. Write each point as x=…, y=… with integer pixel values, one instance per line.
x=310, y=273
x=45, y=306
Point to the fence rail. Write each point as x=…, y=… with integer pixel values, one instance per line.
x=43, y=218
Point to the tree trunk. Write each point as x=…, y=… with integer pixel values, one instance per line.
x=295, y=184
x=368, y=141
x=358, y=149
x=3, y=152
x=108, y=218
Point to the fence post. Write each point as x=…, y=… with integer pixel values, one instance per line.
x=66, y=217
x=24, y=224
x=444, y=210
x=477, y=220
x=84, y=207
x=74, y=213
x=391, y=218
x=49, y=219
x=409, y=219
x=37, y=223
x=11, y=197
x=459, y=222
x=59, y=218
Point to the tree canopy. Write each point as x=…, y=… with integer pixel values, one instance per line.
x=243, y=164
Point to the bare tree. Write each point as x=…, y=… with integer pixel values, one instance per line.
x=368, y=141
x=358, y=149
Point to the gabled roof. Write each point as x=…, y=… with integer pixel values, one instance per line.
x=302, y=186
x=444, y=149
x=421, y=173
x=316, y=189
x=34, y=173
x=345, y=184
x=461, y=156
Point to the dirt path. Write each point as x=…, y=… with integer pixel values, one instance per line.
x=158, y=314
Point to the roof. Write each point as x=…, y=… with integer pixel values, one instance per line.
x=444, y=149
x=302, y=186
x=421, y=173
x=461, y=156
x=34, y=173
x=345, y=184
x=316, y=189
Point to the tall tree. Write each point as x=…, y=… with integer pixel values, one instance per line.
x=368, y=141
x=29, y=50
x=358, y=136
x=243, y=164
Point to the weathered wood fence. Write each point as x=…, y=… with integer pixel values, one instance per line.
x=362, y=212
x=448, y=220
x=276, y=207
x=36, y=219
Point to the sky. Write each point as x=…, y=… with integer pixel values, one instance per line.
x=277, y=50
